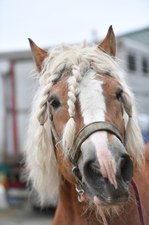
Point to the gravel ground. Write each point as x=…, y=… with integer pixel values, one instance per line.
x=25, y=216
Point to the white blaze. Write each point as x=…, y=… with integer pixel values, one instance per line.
x=92, y=101
x=93, y=109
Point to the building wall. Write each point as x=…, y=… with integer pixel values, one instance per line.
x=140, y=36
x=137, y=78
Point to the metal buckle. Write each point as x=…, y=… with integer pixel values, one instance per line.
x=74, y=169
x=76, y=172
x=80, y=193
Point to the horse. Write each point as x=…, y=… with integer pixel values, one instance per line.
x=83, y=140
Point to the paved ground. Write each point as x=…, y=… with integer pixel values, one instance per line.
x=24, y=216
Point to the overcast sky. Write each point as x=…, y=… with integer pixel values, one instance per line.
x=50, y=22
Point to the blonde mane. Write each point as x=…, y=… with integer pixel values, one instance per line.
x=79, y=61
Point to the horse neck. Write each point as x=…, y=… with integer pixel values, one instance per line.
x=69, y=211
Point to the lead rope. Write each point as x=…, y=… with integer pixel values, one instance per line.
x=138, y=202
x=139, y=206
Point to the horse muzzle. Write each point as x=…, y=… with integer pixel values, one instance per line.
x=104, y=184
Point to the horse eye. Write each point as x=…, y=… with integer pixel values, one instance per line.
x=54, y=102
x=119, y=92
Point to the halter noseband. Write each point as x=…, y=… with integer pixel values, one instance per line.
x=85, y=132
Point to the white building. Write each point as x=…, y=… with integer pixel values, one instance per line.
x=134, y=54
x=136, y=63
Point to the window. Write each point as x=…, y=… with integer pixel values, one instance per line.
x=145, y=66
x=131, y=62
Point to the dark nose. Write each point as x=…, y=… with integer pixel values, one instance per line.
x=124, y=168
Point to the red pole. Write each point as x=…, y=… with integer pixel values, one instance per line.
x=13, y=109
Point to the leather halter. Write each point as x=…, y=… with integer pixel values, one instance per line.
x=84, y=133
x=75, y=152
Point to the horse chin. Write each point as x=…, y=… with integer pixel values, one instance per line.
x=101, y=207
x=98, y=201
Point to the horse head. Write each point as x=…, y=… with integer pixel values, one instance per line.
x=83, y=126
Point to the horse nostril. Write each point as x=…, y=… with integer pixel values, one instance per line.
x=91, y=170
x=125, y=168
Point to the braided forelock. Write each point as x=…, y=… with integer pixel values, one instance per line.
x=70, y=128
x=43, y=104
x=42, y=115
x=46, y=82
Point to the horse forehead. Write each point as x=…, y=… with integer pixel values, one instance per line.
x=60, y=87
x=91, y=84
x=91, y=99
x=104, y=84
x=109, y=84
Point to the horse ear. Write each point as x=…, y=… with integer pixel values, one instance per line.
x=38, y=54
x=108, y=45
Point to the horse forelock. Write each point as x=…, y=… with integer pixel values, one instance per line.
x=82, y=62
